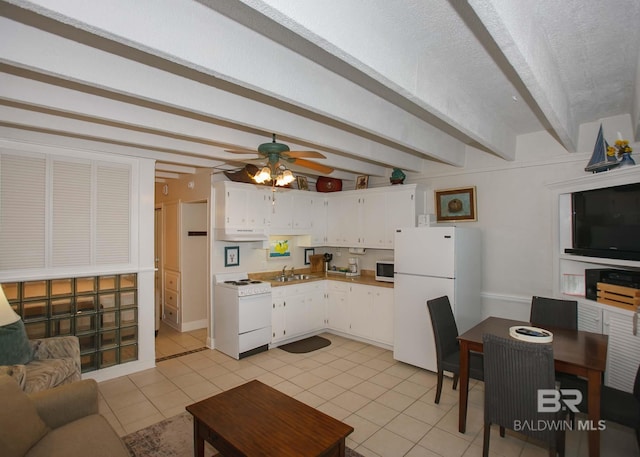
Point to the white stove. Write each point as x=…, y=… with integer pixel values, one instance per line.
x=246, y=287
x=241, y=314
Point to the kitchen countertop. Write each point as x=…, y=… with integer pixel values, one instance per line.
x=367, y=278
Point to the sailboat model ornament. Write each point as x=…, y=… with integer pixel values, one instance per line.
x=600, y=161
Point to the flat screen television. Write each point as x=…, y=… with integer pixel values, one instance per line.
x=606, y=222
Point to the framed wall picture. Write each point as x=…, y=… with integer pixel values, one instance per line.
x=362, y=182
x=308, y=252
x=456, y=204
x=303, y=184
x=279, y=248
x=231, y=256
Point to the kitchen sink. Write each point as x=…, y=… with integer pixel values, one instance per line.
x=292, y=278
x=299, y=277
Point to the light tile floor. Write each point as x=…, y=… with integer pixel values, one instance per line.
x=390, y=404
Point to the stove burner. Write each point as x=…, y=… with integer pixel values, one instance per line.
x=243, y=282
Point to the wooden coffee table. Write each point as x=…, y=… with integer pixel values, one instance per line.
x=255, y=419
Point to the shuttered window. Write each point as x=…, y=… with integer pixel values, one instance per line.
x=71, y=227
x=22, y=211
x=63, y=212
x=112, y=215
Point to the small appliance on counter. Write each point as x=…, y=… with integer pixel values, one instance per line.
x=353, y=269
x=327, y=258
x=384, y=270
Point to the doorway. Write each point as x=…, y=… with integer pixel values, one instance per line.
x=157, y=246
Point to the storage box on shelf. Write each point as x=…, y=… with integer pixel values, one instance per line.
x=623, y=297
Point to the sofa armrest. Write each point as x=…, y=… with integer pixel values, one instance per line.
x=57, y=347
x=67, y=403
x=17, y=372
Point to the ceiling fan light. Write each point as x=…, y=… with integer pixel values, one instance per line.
x=263, y=175
x=285, y=178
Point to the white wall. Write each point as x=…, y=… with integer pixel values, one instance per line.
x=514, y=210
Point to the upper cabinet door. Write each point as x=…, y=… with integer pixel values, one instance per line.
x=373, y=220
x=281, y=212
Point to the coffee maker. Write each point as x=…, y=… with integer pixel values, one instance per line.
x=353, y=268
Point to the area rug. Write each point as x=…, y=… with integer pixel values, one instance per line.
x=306, y=345
x=173, y=437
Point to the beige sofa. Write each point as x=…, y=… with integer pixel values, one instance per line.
x=56, y=361
x=59, y=422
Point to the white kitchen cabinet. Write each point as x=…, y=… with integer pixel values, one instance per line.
x=316, y=306
x=303, y=211
x=281, y=212
x=368, y=218
x=382, y=315
x=343, y=215
x=242, y=211
x=338, y=306
x=297, y=310
x=371, y=312
x=360, y=309
x=589, y=318
x=278, y=316
x=310, y=217
x=403, y=204
x=373, y=220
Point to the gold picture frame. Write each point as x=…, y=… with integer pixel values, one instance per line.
x=456, y=205
x=362, y=182
x=303, y=184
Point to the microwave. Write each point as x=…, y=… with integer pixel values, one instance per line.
x=384, y=270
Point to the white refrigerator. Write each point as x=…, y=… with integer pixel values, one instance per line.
x=430, y=262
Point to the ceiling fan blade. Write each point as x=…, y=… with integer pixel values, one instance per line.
x=307, y=154
x=241, y=151
x=313, y=166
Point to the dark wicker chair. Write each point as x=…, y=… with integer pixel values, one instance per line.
x=615, y=405
x=553, y=312
x=513, y=373
x=445, y=332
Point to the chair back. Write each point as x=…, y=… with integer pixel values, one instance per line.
x=445, y=330
x=636, y=385
x=554, y=312
x=514, y=371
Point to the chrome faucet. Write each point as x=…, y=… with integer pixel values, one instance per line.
x=284, y=273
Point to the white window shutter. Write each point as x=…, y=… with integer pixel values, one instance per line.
x=71, y=214
x=113, y=214
x=22, y=211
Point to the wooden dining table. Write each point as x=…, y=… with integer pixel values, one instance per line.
x=574, y=351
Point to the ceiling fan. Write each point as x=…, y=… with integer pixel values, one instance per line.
x=277, y=155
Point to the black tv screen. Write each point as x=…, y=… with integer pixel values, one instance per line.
x=606, y=222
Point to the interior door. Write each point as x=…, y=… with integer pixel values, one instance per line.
x=158, y=260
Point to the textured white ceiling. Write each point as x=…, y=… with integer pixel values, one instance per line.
x=373, y=84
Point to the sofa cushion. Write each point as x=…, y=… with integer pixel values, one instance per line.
x=14, y=344
x=20, y=425
x=92, y=435
x=47, y=373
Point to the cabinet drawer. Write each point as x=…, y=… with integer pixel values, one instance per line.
x=172, y=280
x=339, y=286
x=171, y=315
x=172, y=298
